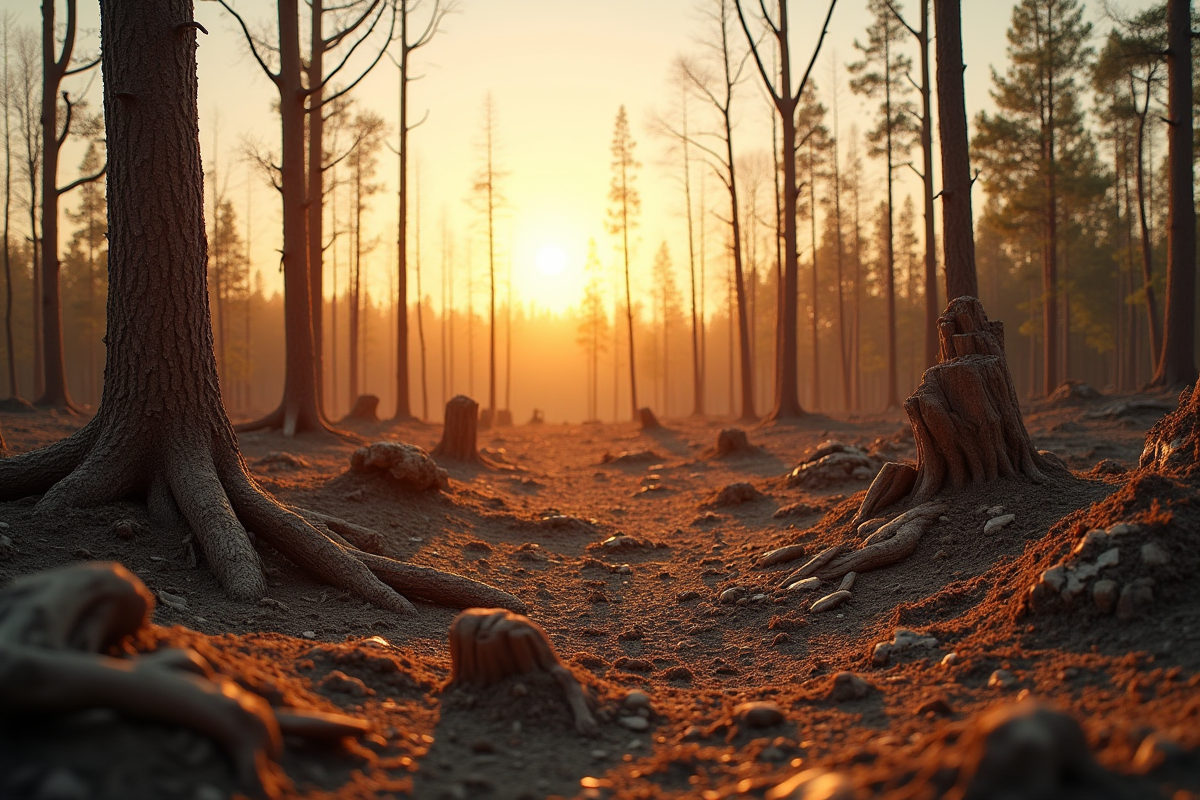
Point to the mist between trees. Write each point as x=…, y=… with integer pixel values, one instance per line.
x=1102, y=155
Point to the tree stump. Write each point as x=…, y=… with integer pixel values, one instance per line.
x=365, y=408
x=965, y=416
x=647, y=419
x=459, y=432
x=733, y=442
x=504, y=418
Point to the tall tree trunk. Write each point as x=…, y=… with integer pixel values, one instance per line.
x=403, y=407
x=316, y=194
x=420, y=302
x=958, y=227
x=14, y=388
x=746, y=382
x=697, y=375
x=893, y=394
x=931, y=281
x=1146, y=244
x=814, y=322
x=1177, y=366
x=54, y=392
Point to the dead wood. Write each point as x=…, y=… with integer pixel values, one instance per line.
x=460, y=432
x=365, y=408
x=55, y=628
x=489, y=644
x=732, y=442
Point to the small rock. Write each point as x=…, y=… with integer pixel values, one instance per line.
x=173, y=600
x=308, y=635
x=1002, y=679
x=634, y=723
x=62, y=784
x=1154, y=555
x=1109, y=558
x=995, y=511
x=996, y=523
x=338, y=681
x=781, y=638
x=1096, y=536
x=684, y=597
x=1055, y=578
x=830, y=601
x=758, y=714
x=938, y=706
x=1121, y=529
x=636, y=699
x=1155, y=751
x=805, y=585
x=848, y=581
x=732, y=594
x=813, y=784
x=1135, y=598
x=1104, y=594
x=950, y=659
x=735, y=494
x=848, y=686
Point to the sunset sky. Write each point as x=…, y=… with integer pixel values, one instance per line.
x=558, y=71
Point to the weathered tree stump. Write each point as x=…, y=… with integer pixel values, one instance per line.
x=504, y=418
x=365, y=408
x=460, y=432
x=647, y=419
x=733, y=442
x=489, y=644
x=965, y=415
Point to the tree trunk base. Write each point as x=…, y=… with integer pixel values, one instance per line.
x=460, y=432
x=733, y=442
x=365, y=408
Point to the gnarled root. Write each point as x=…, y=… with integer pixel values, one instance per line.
x=489, y=644
x=889, y=545
x=54, y=628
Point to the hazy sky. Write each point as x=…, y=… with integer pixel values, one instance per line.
x=558, y=71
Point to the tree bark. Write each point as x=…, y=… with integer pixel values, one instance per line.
x=958, y=227
x=316, y=194
x=965, y=416
x=459, y=432
x=1177, y=366
x=161, y=431
x=931, y=282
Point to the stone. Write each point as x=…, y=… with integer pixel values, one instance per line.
x=1094, y=537
x=938, y=706
x=634, y=723
x=340, y=682
x=813, y=784
x=1154, y=555
x=1055, y=578
x=1135, y=598
x=407, y=465
x=1002, y=679
x=173, y=600
x=7, y=548
x=735, y=494
x=636, y=699
x=732, y=595
x=848, y=686
x=1109, y=558
x=997, y=523
x=950, y=659
x=62, y=784
x=1122, y=529
x=1155, y=751
x=902, y=639
x=1104, y=595
x=758, y=714
x=805, y=585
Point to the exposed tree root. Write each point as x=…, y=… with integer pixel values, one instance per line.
x=889, y=545
x=489, y=644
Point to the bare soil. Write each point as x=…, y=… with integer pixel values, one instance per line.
x=644, y=611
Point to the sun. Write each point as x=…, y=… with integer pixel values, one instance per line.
x=551, y=260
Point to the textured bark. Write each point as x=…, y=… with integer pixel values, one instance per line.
x=1177, y=367
x=1173, y=444
x=161, y=430
x=958, y=227
x=459, y=432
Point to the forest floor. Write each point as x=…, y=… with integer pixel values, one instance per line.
x=650, y=611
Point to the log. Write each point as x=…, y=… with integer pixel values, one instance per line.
x=365, y=408
x=459, y=432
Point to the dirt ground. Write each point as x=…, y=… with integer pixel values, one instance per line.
x=674, y=606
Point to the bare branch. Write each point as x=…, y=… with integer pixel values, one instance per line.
x=900, y=19
x=66, y=131
x=817, y=51
x=776, y=98
x=83, y=67
x=86, y=179
x=342, y=92
x=349, y=53
x=337, y=38
x=250, y=41
x=440, y=11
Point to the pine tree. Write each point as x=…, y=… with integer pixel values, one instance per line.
x=1039, y=121
x=593, y=327
x=625, y=206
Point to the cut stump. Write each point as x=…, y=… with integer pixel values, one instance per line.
x=365, y=408
x=460, y=432
x=647, y=420
x=733, y=442
x=965, y=416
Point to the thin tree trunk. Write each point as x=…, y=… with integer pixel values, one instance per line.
x=403, y=407
x=1177, y=366
x=958, y=227
x=420, y=300
x=1050, y=247
x=14, y=388
x=814, y=321
x=316, y=195
x=893, y=395
x=1146, y=244
x=697, y=377
x=932, y=307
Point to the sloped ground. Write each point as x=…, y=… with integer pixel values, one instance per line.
x=644, y=611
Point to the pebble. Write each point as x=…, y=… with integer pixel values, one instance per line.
x=758, y=714
x=996, y=523
x=847, y=582
x=902, y=639
x=813, y=784
x=995, y=511
x=805, y=585
x=1104, y=594
x=1094, y=536
x=338, y=681
x=173, y=600
x=938, y=706
x=732, y=594
x=1002, y=679
x=1155, y=751
x=62, y=784
x=1055, y=578
x=599, y=754
x=848, y=686
x=830, y=601
x=950, y=659
x=1153, y=555
x=308, y=635
x=634, y=723
x=781, y=638
x=1135, y=598
x=1109, y=558
x=636, y=699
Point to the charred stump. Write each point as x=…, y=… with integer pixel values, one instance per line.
x=365, y=408
x=460, y=432
x=647, y=420
x=965, y=416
